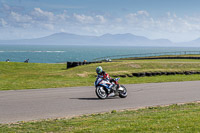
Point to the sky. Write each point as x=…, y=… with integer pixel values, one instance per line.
x=176, y=20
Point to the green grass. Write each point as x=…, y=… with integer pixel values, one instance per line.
x=15, y=76
x=188, y=55
x=174, y=118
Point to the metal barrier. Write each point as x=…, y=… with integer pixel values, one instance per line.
x=75, y=64
x=149, y=55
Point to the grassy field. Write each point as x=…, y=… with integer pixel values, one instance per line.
x=161, y=56
x=174, y=118
x=14, y=76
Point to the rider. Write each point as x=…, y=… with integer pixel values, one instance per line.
x=105, y=76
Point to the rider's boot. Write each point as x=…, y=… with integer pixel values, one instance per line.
x=111, y=90
x=114, y=87
x=117, y=86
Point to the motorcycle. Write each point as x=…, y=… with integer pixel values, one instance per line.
x=102, y=87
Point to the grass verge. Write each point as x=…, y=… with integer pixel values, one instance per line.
x=173, y=118
x=15, y=76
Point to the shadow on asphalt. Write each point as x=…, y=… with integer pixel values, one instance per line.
x=86, y=98
x=95, y=98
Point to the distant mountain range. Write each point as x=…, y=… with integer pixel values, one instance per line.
x=104, y=40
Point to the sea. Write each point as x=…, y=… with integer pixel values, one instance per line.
x=61, y=54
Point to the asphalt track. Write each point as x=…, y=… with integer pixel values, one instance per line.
x=36, y=104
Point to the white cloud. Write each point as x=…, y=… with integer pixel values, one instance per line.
x=101, y=18
x=20, y=18
x=138, y=18
x=138, y=14
x=143, y=13
x=3, y=23
x=141, y=22
x=83, y=18
x=39, y=14
x=63, y=17
x=49, y=26
x=6, y=7
x=170, y=23
x=62, y=30
x=118, y=20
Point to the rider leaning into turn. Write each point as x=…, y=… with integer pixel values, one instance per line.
x=105, y=76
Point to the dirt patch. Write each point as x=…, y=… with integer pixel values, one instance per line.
x=134, y=65
x=117, y=72
x=85, y=74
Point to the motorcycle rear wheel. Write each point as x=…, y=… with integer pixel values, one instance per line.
x=101, y=93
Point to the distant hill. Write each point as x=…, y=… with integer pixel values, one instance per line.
x=104, y=40
x=194, y=43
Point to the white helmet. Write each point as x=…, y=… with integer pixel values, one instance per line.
x=99, y=70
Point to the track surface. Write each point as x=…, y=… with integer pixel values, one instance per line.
x=24, y=105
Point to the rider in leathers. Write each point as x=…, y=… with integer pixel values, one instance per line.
x=106, y=76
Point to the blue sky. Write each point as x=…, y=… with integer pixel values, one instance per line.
x=176, y=20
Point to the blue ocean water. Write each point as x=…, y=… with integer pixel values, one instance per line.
x=59, y=53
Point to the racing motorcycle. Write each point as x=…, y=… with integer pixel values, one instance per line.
x=102, y=87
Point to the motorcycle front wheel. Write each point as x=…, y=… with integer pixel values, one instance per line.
x=100, y=92
x=122, y=92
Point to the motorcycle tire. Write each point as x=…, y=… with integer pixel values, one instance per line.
x=101, y=92
x=123, y=94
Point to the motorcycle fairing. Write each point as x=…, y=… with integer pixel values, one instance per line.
x=105, y=83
